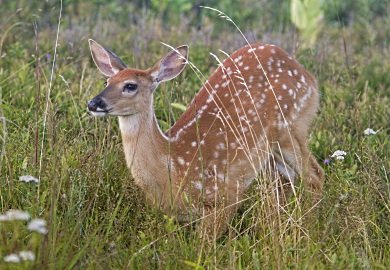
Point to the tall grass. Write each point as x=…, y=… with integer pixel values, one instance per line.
x=96, y=216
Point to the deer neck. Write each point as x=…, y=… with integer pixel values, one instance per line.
x=147, y=152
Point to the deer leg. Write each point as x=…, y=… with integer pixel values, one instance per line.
x=316, y=176
x=283, y=175
x=296, y=155
x=216, y=219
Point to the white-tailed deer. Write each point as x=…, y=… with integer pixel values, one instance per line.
x=255, y=110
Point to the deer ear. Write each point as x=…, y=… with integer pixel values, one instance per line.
x=106, y=61
x=171, y=65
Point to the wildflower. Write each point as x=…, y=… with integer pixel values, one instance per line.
x=28, y=178
x=37, y=225
x=339, y=155
x=48, y=56
x=11, y=215
x=327, y=161
x=341, y=198
x=369, y=131
x=27, y=255
x=12, y=258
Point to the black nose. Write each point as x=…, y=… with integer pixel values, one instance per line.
x=95, y=103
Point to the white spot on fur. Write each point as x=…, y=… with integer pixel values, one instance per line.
x=198, y=184
x=303, y=80
x=181, y=161
x=226, y=83
x=221, y=146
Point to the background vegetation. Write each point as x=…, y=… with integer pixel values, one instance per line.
x=96, y=217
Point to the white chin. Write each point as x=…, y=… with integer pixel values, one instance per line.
x=99, y=113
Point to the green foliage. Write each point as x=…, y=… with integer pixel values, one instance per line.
x=350, y=11
x=172, y=6
x=96, y=216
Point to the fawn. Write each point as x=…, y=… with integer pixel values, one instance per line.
x=253, y=113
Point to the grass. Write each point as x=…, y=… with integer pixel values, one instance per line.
x=96, y=216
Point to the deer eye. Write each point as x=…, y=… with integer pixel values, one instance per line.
x=130, y=87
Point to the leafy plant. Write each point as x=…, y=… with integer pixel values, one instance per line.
x=307, y=15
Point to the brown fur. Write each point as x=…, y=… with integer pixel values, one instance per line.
x=241, y=120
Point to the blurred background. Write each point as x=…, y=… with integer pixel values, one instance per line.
x=95, y=216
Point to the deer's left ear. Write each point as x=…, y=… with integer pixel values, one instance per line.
x=106, y=61
x=171, y=65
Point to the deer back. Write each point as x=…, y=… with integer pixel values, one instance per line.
x=226, y=135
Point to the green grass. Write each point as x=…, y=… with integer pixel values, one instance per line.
x=97, y=217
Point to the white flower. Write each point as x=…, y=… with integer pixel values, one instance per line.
x=343, y=196
x=27, y=255
x=28, y=178
x=12, y=258
x=11, y=215
x=37, y=225
x=369, y=131
x=339, y=155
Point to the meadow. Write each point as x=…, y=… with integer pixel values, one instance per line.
x=64, y=171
